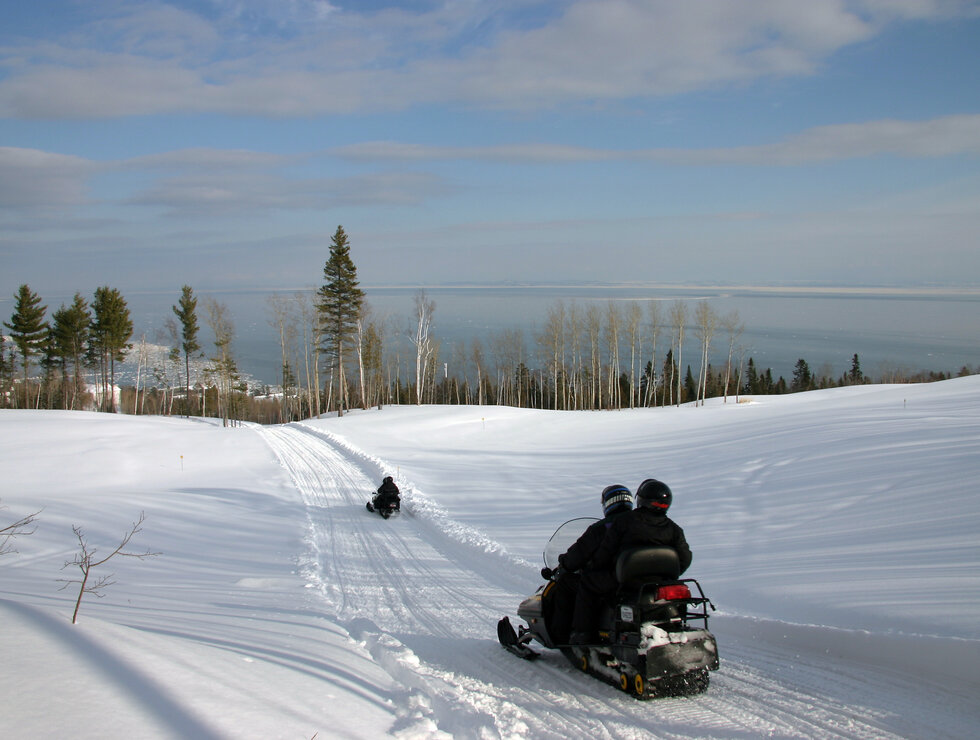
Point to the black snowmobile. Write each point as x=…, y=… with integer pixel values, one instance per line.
x=653, y=635
x=385, y=506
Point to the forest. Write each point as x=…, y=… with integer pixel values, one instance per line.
x=334, y=356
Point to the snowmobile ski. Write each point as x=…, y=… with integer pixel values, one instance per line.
x=511, y=642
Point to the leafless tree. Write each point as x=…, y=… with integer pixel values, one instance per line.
x=576, y=375
x=653, y=317
x=223, y=364
x=23, y=527
x=734, y=327
x=705, y=323
x=476, y=352
x=424, y=308
x=284, y=322
x=361, y=338
x=85, y=561
x=633, y=318
x=678, y=318
x=552, y=340
x=309, y=320
x=593, y=325
x=613, y=324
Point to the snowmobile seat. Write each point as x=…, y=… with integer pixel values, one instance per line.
x=642, y=565
x=639, y=572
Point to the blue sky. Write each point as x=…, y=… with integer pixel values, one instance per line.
x=219, y=143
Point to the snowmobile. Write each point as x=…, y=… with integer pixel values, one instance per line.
x=653, y=634
x=385, y=507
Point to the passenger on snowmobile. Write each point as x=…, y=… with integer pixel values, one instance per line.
x=387, y=498
x=616, y=500
x=647, y=524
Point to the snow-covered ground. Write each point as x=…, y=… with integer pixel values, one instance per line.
x=836, y=531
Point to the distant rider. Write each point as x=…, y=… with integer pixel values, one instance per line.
x=388, y=495
x=646, y=525
x=616, y=500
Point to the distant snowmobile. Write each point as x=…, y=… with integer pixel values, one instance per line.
x=387, y=499
x=648, y=645
x=385, y=509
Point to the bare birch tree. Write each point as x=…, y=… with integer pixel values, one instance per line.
x=552, y=340
x=593, y=326
x=734, y=328
x=634, y=316
x=705, y=323
x=223, y=365
x=476, y=351
x=309, y=320
x=613, y=328
x=575, y=335
x=678, y=318
x=284, y=322
x=424, y=308
x=654, y=320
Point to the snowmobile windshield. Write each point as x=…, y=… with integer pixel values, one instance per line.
x=564, y=537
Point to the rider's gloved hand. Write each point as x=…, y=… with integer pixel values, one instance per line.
x=547, y=573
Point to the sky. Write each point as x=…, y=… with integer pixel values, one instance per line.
x=219, y=143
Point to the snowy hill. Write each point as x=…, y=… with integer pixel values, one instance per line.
x=835, y=530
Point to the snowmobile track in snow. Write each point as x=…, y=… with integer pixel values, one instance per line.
x=426, y=605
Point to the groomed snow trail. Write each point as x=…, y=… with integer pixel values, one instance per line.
x=425, y=602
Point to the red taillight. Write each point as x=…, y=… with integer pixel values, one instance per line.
x=673, y=593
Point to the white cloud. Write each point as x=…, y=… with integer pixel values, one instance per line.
x=33, y=179
x=224, y=193
x=297, y=58
x=939, y=137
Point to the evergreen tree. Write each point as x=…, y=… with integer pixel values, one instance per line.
x=690, y=386
x=28, y=330
x=186, y=312
x=802, y=377
x=855, y=377
x=670, y=372
x=751, y=378
x=111, y=330
x=340, y=303
x=69, y=336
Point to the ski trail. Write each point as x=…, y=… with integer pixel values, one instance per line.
x=425, y=605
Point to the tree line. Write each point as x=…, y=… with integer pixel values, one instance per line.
x=336, y=355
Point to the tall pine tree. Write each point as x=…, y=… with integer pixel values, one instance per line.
x=802, y=377
x=340, y=303
x=28, y=330
x=110, y=333
x=69, y=335
x=186, y=312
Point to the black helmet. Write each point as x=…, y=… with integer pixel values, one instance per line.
x=616, y=498
x=654, y=494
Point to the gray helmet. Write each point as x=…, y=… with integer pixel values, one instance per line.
x=616, y=498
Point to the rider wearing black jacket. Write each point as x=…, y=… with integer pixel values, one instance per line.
x=616, y=501
x=647, y=524
x=387, y=495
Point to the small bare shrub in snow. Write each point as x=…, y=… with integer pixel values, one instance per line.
x=85, y=560
x=21, y=528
